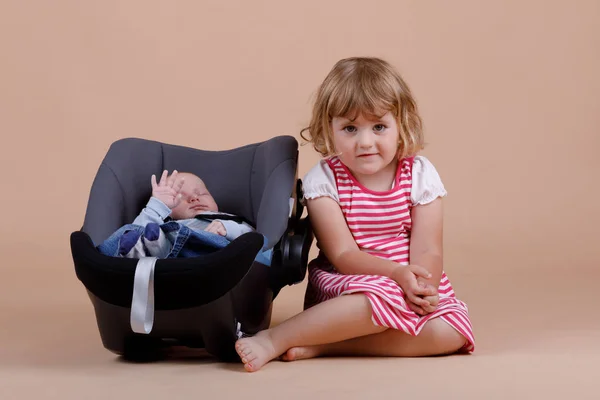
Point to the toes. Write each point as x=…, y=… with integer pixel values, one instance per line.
x=254, y=352
x=249, y=367
x=301, y=353
x=290, y=355
x=246, y=355
x=242, y=346
x=241, y=350
x=249, y=358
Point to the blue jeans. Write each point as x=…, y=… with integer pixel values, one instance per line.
x=167, y=240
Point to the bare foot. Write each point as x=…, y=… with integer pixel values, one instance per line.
x=256, y=351
x=301, y=353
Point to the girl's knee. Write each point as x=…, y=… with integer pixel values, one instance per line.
x=446, y=339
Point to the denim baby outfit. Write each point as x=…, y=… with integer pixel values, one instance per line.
x=150, y=236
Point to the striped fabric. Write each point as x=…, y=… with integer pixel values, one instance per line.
x=380, y=223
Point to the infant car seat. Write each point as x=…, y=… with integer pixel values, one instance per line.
x=207, y=301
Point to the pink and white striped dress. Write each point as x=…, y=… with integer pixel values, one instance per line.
x=380, y=222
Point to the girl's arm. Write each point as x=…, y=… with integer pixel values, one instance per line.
x=426, y=243
x=337, y=243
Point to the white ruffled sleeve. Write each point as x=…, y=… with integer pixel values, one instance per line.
x=426, y=182
x=319, y=181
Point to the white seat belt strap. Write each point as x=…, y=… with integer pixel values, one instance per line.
x=142, y=301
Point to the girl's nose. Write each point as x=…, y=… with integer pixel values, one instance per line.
x=365, y=139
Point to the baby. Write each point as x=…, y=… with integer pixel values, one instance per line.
x=188, y=201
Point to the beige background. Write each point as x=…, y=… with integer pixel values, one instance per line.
x=509, y=94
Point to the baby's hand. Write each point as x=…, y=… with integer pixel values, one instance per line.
x=216, y=227
x=166, y=190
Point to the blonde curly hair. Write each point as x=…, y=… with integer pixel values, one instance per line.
x=368, y=86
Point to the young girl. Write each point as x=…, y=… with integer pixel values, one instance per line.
x=378, y=287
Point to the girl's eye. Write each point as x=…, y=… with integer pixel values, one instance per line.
x=350, y=129
x=379, y=128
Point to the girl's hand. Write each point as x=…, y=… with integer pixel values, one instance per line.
x=166, y=190
x=406, y=277
x=433, y=300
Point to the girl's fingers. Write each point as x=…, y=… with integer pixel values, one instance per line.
x=424, y=289
x=433, y=300
x=429, y=290
x=416, y=308
x=417, y=300
x=153, y=181
x=420, y=271
x=429, y=308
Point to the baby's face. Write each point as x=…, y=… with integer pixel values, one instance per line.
x=195, y=198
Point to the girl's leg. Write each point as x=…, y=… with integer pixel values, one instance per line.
x=331, y=321
x=436, y=338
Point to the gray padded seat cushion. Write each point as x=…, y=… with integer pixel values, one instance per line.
x=254, y=181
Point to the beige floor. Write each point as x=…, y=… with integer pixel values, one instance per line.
x=536, y=336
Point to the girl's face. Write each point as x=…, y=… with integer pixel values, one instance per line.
x=367, y=146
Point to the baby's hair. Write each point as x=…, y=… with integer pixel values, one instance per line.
x=364, y=85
